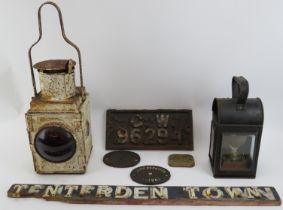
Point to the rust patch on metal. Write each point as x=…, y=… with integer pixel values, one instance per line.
x=149, y=129
x=55, y=66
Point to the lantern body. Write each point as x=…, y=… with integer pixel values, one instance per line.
x=58, y=121
x=235, y=137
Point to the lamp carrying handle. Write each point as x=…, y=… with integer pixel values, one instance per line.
x=65, y=38
x=240, y=89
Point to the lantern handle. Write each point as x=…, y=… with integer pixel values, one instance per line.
x=240, y=89
x=65, y=38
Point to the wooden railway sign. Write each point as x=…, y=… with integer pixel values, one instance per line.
x=149, y=129
x=149, y=195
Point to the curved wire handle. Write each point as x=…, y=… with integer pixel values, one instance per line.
x=65, y=38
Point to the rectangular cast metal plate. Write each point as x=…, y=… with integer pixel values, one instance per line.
x=149, y=129
x=149, y=195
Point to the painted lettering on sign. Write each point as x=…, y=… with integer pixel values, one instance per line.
x=187, y=195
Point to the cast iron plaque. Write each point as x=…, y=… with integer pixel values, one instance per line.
x=150, y=175
x=121, y=159
x=149, y=129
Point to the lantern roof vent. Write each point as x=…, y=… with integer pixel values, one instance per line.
x=55, y=66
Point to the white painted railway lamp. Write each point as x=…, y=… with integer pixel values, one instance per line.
x=58, y=121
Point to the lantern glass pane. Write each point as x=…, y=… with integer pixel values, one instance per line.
x=237, y=151
x=211, y=142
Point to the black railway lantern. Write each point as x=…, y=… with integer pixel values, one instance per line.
x=236, y=129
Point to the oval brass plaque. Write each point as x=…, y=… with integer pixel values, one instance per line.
x=121, y=159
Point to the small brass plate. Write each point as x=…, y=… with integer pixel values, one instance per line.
x=181, y=160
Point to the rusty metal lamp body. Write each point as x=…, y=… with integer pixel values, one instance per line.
x=236, y=130
x=58, y=121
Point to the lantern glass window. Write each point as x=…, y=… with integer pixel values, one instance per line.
x=237, y=151
x=211, y=142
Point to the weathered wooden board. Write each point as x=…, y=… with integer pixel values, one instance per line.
x=149, y=129
x=149, y=195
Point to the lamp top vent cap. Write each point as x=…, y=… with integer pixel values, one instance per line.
x=55, y=66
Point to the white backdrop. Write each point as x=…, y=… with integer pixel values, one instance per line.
x=144, y=54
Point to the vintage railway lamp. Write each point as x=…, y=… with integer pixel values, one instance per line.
x=236, y=129
x=58, y=121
